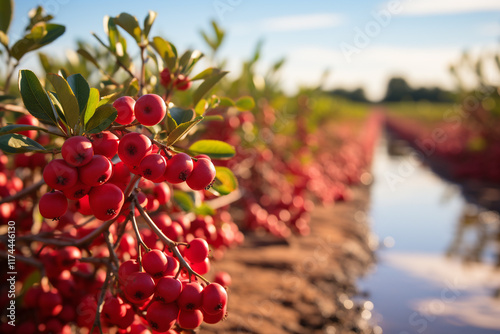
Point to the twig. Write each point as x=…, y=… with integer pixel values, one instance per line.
x=28, y=260
x=172, y=245
x=13, y=108
x=136, y=229
x=97, y=319
x=25, y=192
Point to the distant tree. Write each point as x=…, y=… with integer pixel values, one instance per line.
x=399, y=90
x=357, y=95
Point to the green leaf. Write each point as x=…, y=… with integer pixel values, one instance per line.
x=226, y=102
x=67, y=99
x=81, y=89
x=42, y=34
x=184, y=59
x=181, y=115
x=92, y=103
x=204, y=210
x=181, y=130
x=170, y=123
x=16, y=143
x=225, y=181
x=16, y=128
x=4, y=39
x=215, y=149
x=205, y=87
x=201, y=107
x=57, y=107
x=183, y=200
x=34, y=277
x=132, y=88
x=166, y=51
x=129, y=24
x=5, y=14
x=88, y=56
x=148, y=22
x=35, y=98
x=103, y=117
x=113, y=33
x=214, y=118
x=206, y=73
x=245, y=103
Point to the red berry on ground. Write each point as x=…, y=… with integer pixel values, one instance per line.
x=96, y=172
x=125, y=109
x=150, y=109
x=77, y=151
x=106, y=201
x=53, y=205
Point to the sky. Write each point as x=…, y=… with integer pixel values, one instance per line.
x=362, y=43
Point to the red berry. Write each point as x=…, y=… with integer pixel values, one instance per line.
x=113, y=309
x=84, y=206
x=50, y=303
x=133, y=148
x=168, y=289
x=77, y=191
x=154, y=262
x=59, y=175
x=152, y=166
x=125, y=109
x=182, y=82
x=179, y=168
x=161, y=317
x=28, y=120
x=165, y=77
x=201, y=267
x=214, y=318
x=68, y=257
x=105, y=143
x=197, y=250
x=77, y=151
x=139, y=286
x=172, y=266
x=150, y=109
x=214, y=298
x=223, y=278
x=96, y=172
x=53, y=205
x=121, y=174
x=127, y=320
x=190, y=297
x=106, y=201
x=162, y=193
x=31, y=296
x=202, y=175
x=127, y=268
x=188, y=319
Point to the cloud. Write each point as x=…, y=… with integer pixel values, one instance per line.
x=302, y=22
x=441, y=7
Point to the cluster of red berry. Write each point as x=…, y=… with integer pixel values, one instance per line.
x=86, y=170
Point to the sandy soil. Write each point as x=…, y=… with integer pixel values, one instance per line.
x=304, y=285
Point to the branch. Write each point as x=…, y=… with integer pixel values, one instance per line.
x=170, y=243
x=28, y=260
x=25, y=192
x=13, y=108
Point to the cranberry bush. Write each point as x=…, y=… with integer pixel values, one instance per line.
x=113, y=201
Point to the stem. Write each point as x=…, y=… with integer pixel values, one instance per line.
x=9, y=77
x=170, y=243
x=97, y=320
x=25, y=192
x=131, y=185
x=143, y=71
x=112, y=253
x=136, y=229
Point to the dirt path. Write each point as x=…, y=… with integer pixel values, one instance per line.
x=304, y=286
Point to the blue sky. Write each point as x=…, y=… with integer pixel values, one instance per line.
x=418, y=40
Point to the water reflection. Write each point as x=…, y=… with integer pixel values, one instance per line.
x=443, y=273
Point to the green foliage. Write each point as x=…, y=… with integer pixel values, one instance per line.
x=215, y=149
x=35, y=98
x=15, y=143
x=225, y=181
